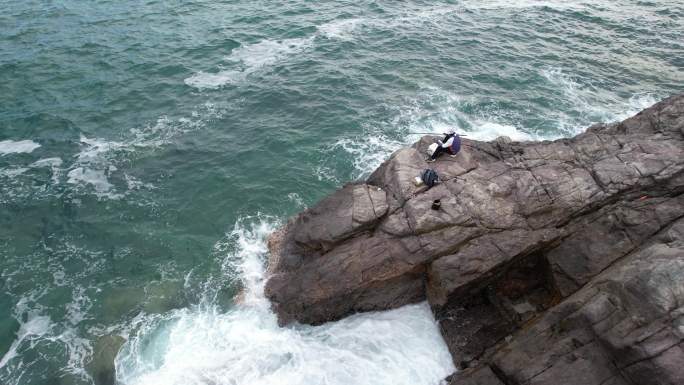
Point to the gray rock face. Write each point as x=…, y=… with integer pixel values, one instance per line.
x=479, y=376
x=347, y=212
x=547, y=263
x=625, y=327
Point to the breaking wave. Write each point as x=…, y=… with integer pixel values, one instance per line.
x=246, y=346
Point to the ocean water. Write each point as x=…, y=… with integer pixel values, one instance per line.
x=148, y=148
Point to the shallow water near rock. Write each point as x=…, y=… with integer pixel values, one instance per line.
x=146, y=150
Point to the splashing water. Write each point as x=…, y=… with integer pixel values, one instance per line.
x=246, y=346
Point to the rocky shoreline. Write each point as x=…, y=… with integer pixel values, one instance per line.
x=555, y=262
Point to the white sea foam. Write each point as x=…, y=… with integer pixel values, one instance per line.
x=92, y=166
x=35, y=326
x=268, y=52
x=246, y=346
x=19, y=183
x=324, y=173
x=95, y=178
x=523, y=4
x=59, y=276
x=97, y=160
x=95, y=149
x=135, y=184
x=207, y=80
x=252, y=58
x=586, y=105
x=39, y=334
x=369, y=150
x=487, y=130
x=296, y=199
x=12, y=172
x=53, y=163
x=47, y=162
x=341, y=29
x=79, y=351
x=79, y=306
x=249, y=59
x=434, y=111
x=438, y=110
x=634, y=105
x=15, y=147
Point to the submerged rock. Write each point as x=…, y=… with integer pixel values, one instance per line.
x=101, y=367
x=547, y=262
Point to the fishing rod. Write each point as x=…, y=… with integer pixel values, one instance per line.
x=435, y=133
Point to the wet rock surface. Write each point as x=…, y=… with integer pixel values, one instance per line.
x=555, y=262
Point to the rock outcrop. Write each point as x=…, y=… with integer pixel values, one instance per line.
x=555, y=262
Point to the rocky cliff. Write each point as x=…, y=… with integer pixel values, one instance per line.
x=555, y=262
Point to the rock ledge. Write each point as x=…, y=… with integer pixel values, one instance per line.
x=555, y=262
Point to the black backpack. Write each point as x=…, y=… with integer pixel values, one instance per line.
x=430, y=177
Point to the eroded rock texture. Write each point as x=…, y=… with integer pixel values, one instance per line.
x=548, y=262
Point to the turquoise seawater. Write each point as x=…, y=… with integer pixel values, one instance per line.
x=148, y=147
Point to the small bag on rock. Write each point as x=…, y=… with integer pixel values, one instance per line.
x=430, y=177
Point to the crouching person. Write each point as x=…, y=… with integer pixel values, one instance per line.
x=451, y=144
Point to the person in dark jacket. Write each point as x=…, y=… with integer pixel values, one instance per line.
x=451, y=144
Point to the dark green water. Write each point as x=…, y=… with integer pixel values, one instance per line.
x=146, y=148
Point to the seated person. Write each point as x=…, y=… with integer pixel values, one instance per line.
x=451, y=144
